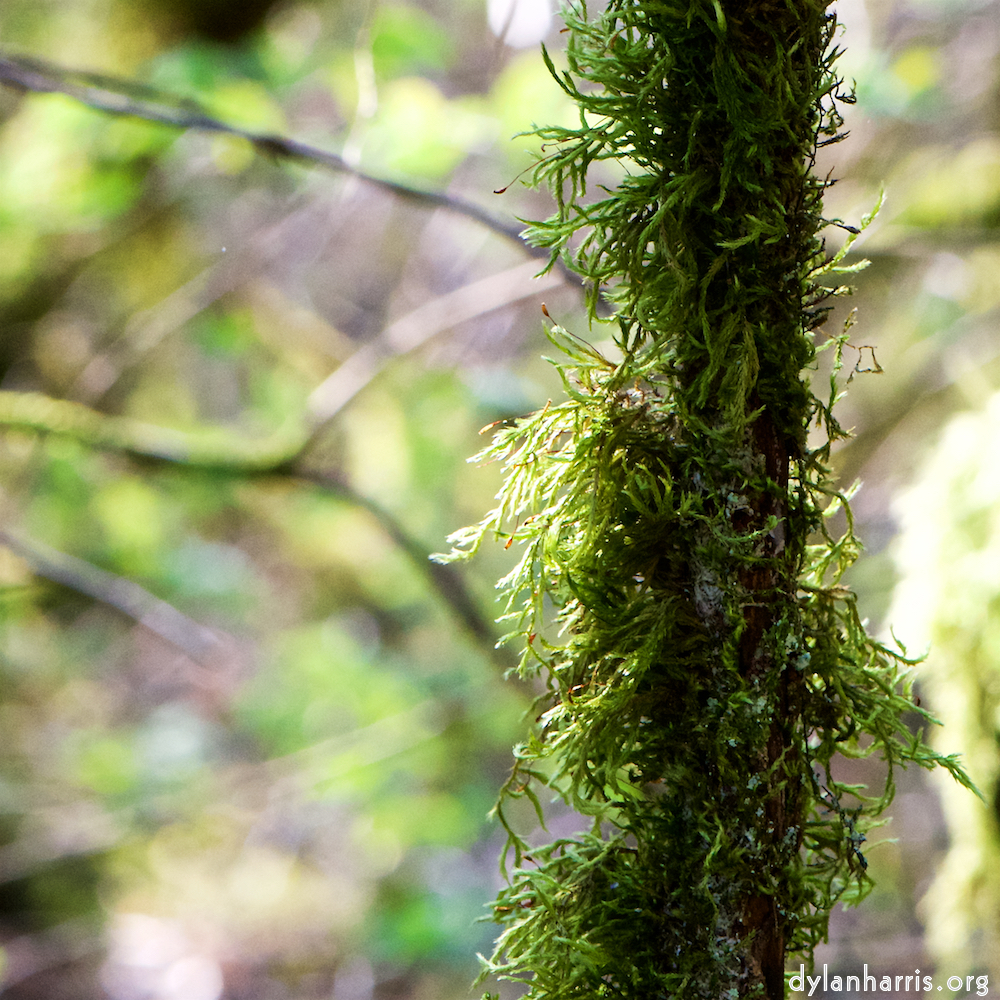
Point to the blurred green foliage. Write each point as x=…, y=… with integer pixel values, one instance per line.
x=274, y=785
x=948, y=597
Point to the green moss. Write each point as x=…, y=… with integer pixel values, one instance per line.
x=708, y=664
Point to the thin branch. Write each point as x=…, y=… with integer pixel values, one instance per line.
x=149, y=327
x=222, y=450
x=127, y=97
x=445, y=580
x=200, y=643
x=415, y=329
x=212, y=448
x=281, y=453
x=197, y=641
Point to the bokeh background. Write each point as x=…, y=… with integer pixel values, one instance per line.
x=248, y=735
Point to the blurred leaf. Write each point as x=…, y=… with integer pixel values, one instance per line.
x=224, y=335
x=246, y=104
x=129, y=512
x=954, y=187
x=428, y=818
x=407, y=40
x=919, y=67
x=418, y=131
x=107, y=766
x=50, y=174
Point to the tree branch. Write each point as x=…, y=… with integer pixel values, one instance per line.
x=444, y=579
x=197, y=641
x=130, y=98
x=225, y=451
x=282, y=452
x=135, y=439
x=415, y=329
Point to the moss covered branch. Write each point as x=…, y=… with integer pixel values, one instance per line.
x=705, y=664
x=216, y=450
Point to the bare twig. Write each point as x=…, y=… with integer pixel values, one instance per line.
x=444, y=579
x=415, y=329
x=200, y=643
x=148, y=328
x=216, y=448
x=203, y=645
x=284, y=452
x=127, y=97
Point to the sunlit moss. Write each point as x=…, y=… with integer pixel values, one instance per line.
x=708, y=665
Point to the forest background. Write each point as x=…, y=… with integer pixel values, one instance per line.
x=250, y=734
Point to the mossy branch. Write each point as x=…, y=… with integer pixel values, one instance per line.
x=208, y=448
x=218, y=450
x=705, y=665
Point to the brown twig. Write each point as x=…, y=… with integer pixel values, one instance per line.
x=127, y=97
x=200, y=643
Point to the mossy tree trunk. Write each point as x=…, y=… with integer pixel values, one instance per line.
x=707, y=666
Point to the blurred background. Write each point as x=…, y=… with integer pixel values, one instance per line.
x=248, y=734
